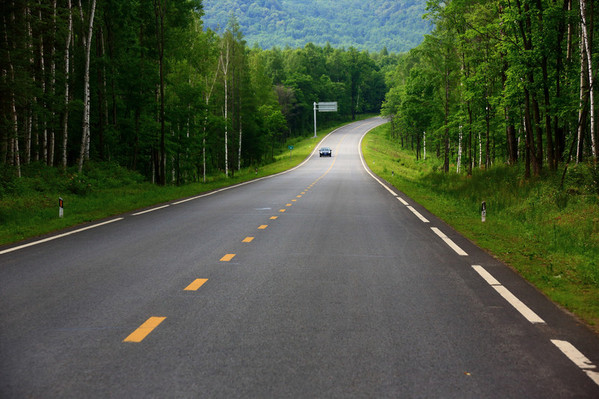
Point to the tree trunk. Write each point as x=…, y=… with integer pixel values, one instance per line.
x=586, y=36
x=15, y=158
x=52, y=138
x=43, y=82
x=85, y=136
x=65, y=121
x=160, y=13
x=547, y=102
x=225, y=69
x=583, y=100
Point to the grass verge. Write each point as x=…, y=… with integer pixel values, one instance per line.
x=548, y=233
x=29, y=205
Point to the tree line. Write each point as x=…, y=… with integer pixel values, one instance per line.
x=143, y=83
x=500, y=81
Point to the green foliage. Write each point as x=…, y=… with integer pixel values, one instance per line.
x=372, y=25
x=502, y=81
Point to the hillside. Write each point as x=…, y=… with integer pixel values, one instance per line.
x=366, y=25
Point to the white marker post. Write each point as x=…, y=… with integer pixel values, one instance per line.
x=483, y=214
x=60, y=207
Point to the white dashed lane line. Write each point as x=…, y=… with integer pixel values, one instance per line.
x=418, y=215
x=508, y=296
x=578, y=359
x=449, y=242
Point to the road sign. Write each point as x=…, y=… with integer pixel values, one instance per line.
x=327, y=107
x=290, y=147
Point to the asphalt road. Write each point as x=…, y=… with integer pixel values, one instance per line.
x=319, y=282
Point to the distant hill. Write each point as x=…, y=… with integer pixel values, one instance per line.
x=364, y=24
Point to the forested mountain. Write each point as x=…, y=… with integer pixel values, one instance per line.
x=367, y=25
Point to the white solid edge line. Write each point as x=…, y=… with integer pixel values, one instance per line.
x=393, y=193
x=415, y=212
x=486, y=275
x=578, y=359
x=58, y=236
x=403, y=201
x=449, y=242
x=151, y=210
x=518, y=305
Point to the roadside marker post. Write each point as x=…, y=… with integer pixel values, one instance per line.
x=483, y=213
x=60, y=207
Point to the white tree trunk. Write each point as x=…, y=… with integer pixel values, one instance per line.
x=225, y=66
x=459, y=150
x=65, y=121
x=15, y=120
x=43, y=81
x=52, y=86
x=85, y=136
x=589, y=52
x=580, y=135
x=34, y=99
x=240, y=137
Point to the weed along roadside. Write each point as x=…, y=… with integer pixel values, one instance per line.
x=547, y=233
x=28, y=205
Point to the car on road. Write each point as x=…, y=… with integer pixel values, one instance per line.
x=326, y=152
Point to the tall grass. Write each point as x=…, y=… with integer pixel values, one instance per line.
x=546, y=230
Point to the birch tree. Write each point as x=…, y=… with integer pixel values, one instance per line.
x=85, y=136
x=67, y=59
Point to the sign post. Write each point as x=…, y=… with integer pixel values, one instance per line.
x=290, y=148
x=60, y=207
x=314, y=120
x=323, y=107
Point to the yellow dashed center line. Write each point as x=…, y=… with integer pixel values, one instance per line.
x=282, y=210
x=293, y=200
x=262, y=227
x=196, y=284
x=248, y=239
x=303, y=192
x=227, y=257
x=299, y=196
x=145, y=329
x=288, y=204
x=273, y=217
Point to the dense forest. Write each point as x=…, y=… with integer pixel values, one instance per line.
x=501, y=81
x=367, y=25
x=143, y=84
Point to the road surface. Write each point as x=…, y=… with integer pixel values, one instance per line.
x=320, y=282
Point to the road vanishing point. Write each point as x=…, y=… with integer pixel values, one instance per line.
x=320, y=282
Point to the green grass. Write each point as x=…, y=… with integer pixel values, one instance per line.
x=29, y=205
x=549, y=234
